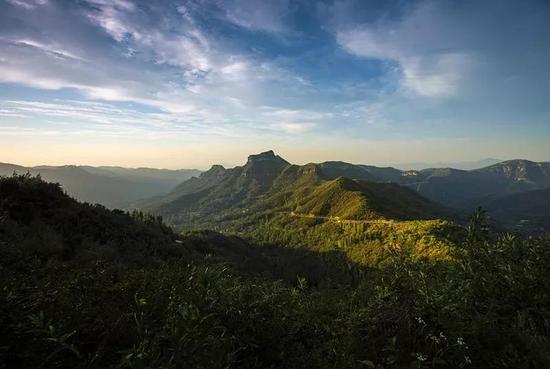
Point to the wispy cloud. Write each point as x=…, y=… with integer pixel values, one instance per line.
x=458, y=68
x=27, y=4
x=294, y=127
x=175, y=65
x=428, y=66
x=260, y=15
x=48, y=48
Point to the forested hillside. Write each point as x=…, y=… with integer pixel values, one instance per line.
x=86, y=287
x=271, y=202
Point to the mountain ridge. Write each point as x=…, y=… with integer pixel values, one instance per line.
x=110, y=186
x=269, y=175
x=267, y=182
x=464, y=165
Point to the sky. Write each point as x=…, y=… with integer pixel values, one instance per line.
x=185, y=84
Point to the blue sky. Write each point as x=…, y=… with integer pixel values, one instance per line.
x=190, y=83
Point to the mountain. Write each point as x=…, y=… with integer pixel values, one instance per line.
x=268, y=183
x=206, y=179
x=362, y=200
x=87, y=287
x=109, y=186
x=338, y=189
x=521, y=173
x=464, y=165
x=462, y=189
x=468, y=189
x=335, y=169
x=145, y=174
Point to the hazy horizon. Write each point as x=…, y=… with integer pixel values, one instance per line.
x=186, y=84
x=399, y=165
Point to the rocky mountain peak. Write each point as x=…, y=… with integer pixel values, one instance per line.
x=216, y=168
x=266, y=156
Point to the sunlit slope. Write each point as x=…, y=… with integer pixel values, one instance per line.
x=361, y=200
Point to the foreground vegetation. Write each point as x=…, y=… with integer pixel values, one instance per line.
x=86, y=287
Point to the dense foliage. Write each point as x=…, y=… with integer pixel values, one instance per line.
x=86, y=287
x=366, y=243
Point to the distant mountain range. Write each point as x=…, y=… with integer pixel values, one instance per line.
x=464, y=165
x=114, y=187
x=468, y=189
x=349, y=191
x=460, y=189
x=515, y=191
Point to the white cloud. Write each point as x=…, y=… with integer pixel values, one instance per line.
x=235, y=71
x=295, y=114
x=49, y=48
x=27, y=4
x=257, y=15
x=177, y=66
x=209, y=71
x=294, y=127
x=483, y=52
x=366, y=42
x=183, y=45
x=431, y=73
x=73, y=116
x=110, y=17
x=436, y=76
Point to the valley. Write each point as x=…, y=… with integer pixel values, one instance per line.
x=276, y=265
